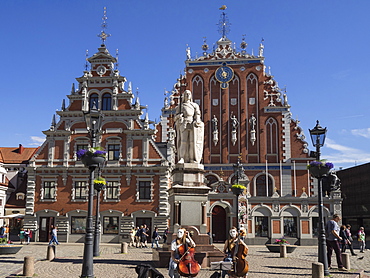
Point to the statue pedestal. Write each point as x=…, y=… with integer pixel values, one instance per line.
x=188, y=198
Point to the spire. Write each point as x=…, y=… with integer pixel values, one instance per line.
x=73, y=90
x=64, y=105
x=223, y=26
x=53, y=123
x=87, y=61
x=103, y=35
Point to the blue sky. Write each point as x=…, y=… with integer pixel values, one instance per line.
x=318, y=50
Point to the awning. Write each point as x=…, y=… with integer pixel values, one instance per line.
x=18, y=215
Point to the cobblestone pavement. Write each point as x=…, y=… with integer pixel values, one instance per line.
x=112, y=264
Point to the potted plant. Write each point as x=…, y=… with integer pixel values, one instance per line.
x=99, y=183
x=319, y=169
x=92, y=156
x=238, y=189
x=7, y=247
x=275, y=247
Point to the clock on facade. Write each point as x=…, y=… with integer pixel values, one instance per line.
x=224, y=74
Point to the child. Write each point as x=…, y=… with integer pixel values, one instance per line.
x=361, y=239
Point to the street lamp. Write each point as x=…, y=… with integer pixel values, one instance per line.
x=98, y=187
x=318, y=135
x=239, y=174
x=93, y=119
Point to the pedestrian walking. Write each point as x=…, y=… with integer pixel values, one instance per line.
x=332, y=241
x=361, y=239
x=350, y=239
x=28, y=235
x=53, y=233
x=165, y=234
x=155, y=237
x=21, y=235
x=2, y=231
x=132, y=237
x=144, y=237
x=6, y=234
x=138, y=236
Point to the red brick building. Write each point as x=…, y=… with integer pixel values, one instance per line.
x=246, y=113
x=136, y=171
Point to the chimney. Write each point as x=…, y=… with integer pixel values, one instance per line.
x=20, y=149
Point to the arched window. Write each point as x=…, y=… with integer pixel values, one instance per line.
x=94, y=98
x=263, y=188
x=272, y=140
x=106, y=102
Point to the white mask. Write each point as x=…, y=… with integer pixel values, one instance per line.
x=233, y=233
x=180, y=233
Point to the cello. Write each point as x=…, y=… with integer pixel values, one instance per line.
x=187, y=266
x=240, y=251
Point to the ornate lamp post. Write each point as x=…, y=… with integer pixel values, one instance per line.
x=239, y=174
x=93, y=119
x=98, y=187
x=318, y=135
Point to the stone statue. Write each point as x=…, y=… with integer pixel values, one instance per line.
x=214, y=123
x=234, y=123
x=252, y=121
x=189, y=130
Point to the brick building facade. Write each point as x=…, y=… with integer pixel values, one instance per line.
x=245, y=113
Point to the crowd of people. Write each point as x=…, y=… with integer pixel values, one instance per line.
x=139, y=236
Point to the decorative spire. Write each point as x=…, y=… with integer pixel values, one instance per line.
x=64, y=105
x=87, y=61
x=205, y=46
x=53, y=123
x=223, y=26
x=116, y=65
x=103, y=35
x=73, y=90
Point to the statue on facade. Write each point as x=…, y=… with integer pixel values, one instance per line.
x=189, y=130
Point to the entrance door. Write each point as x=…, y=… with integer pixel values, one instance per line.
x=45, y=223
x=148, y=222
x=219, y=224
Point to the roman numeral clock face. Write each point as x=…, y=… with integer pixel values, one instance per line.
x=224, y=75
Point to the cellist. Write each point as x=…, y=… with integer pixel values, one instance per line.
x=182, y=238
x=229, y=247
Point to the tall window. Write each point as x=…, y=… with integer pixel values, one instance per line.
x=106, y=102
x=49, y=190
x=272, y=140
x=263, y=188
x=261, y=226
x=80, y=190
x=290, y=226
x=145, y=190
x=78, y=224
x=113, y=152
x=111, y=190
x=110, y=225
x=94, y=98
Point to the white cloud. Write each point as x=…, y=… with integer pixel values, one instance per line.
x=37, y=141
x=364, y=132
x=344, y=156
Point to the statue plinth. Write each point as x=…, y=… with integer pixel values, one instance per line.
x=188, y=175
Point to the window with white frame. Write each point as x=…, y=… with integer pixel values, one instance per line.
x=113, y=151
x=78, y=224
x=48, y=190
x=79, y=190
x=112, y=190
x=145, y=190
